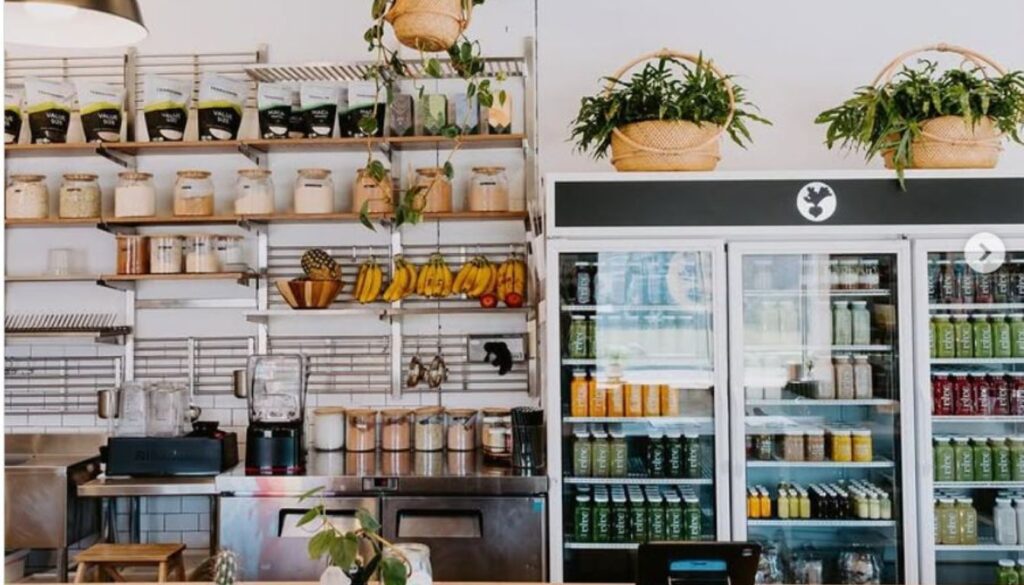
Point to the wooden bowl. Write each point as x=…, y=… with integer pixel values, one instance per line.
x=308, y=294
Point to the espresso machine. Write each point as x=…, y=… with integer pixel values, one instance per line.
x=276, y=393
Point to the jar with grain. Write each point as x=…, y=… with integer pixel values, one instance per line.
x=79, y=196
x=359, y=463
x=497, y=433
x=377, y=196
x=430, y=428
x=488, y=189
x=329, y=428
x=793, y=445
x=27, y=197
x=193, y=194
x=132, y=254
x=814, y=445
x=396, y=429
x=461, y=429
x=165, y=254
x=861, y=443
x=229, y=252
x=314, y=192
x=841, y=445
x=254, y=192
x=396, y=462
x=361, y=435
x=135, y=195
x=436, y=194
x=201, y=254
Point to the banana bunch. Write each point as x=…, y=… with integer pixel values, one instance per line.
x=435, y=279
x=477, y=278
x=403, y=280
x=512, y=281
x=369, y=282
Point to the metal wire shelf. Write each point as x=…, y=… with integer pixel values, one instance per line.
x=359, y=70
x=57, y=384
x=463, y=375
x=342, y=364
x=208, y=363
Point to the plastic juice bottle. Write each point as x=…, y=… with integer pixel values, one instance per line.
x=932, y=351
x=583, y=515
x=579, y=396
x=1017, y=335
x=945, y=337
x=947, y=518
x=982, y=337
x=602, y=518
x=964, y=456
x=967, y=519
x=1017, y=458
x=1002, y=340
x=861, y=320
x=1005, y=574
x=944, y=459
x=1001, y=461
x=581, y=453
x=674, y=521
x=692, y=519
x=753, y=504
x=655, y=518
x=964, y=336
x=620, y=517
x=637, y=517
x=842, y=323
x=600, y=450
x=982, y=459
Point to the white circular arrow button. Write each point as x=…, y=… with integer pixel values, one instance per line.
x=985, y=252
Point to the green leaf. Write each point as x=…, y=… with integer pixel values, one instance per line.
x=368, y=125
x=364, y=216
x=449, y=170
x=310, y=515
x=433, y=68
x=450, y=131
x=343, y=551
x=502, y=97
x=470, y=90
x=367, y=521
x=392, y=571
x=466, y=52
x=485, y=98
x=379, y=7
x=320, y=544
x=377, y=171
x=310, y=493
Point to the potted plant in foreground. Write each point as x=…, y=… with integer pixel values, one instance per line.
x=664, y=120
x=921, y=118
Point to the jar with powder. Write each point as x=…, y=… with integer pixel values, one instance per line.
x=378, y=196
x=497, y=433
x=361, y=430
x=488, y=189
x=193, y=194
x=132, y=254
x=27, y=197
x=229, y=253
x=436, y=193
x=134, y=195
x=329, y=428
x=79, y=196
x=201, y=254
x=396, y=429
x=254, y=192
x=165, y=254
x=430, y=428
x=461, y=429
x=814, y=445
x=314, y=192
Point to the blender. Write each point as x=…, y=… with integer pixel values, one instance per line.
x=277, y=406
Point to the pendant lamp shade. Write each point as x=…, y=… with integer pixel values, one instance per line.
x=84, y=24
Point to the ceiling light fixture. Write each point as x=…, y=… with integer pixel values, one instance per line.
x=78, y=24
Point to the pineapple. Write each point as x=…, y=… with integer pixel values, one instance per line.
x=318, y=265
x=225, y=568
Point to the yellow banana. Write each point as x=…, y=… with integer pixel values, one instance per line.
x=447, y=280
x=374, y=279
x=484, y=280
x=463, y=274
x=471, y=273
x=360, y=283
x=519, y=277
x=411, y=278
x=421, y=281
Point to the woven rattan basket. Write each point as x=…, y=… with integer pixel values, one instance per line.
x=669, y=145
x=950, y=142
x=428, y=25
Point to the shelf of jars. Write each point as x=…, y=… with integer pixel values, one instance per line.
x=877, y=463
x=40, y=278
x=122, y=281
x=824, y=523
x=111, y=223
x=645, y=420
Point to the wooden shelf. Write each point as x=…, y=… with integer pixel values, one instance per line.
x=50, y=278
x=288, y=217
x=472, y=141
x=54, y=149
x=51, y=222
x=171, y=220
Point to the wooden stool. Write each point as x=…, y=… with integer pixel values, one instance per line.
x=107, y=558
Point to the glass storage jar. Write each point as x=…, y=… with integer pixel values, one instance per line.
x=132, y=254
x=329, y=428
x=27, y=197
x=497, y=432
x=376, y=195
x=488, y=189
x=165, y=254
x=396, y=429
x=134, y=195
x=314, y=192
x=193, y=193
x=461, y=429
x=361, y=430
x=254, y=192
x=201, y=254
x=165, y=410
x=430, y=428
x=436, y=196
x=79, y=196
x=229, y=252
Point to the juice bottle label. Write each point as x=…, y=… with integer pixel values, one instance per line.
x=964, y=339
x=982, y=339
x=945, y=464
x=963, y=392
x=1002, y=343
x=945, y=339
x=1001, y=463
x=942, y=396
x=1000, y=395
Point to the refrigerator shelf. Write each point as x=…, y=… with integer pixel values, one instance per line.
x=880, y=463
x=976, y=306
x=611, y=309
x=651, y=420
x=602, y=545
x=978, y=485
x=638, y=360
x=820, y=403
x=976, y=361
x=638, y=481
x=977, y=419
x=780, y=349
x=864, y=292
x=980, y=547
x=823, y=523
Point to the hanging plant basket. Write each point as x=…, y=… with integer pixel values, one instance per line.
x=669, y=145
x=950, y=142
x=429, y=25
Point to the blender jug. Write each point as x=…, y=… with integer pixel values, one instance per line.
x=277, y=403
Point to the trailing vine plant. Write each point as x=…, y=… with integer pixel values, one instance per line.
x=466, y=60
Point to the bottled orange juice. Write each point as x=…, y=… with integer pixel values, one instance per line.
x=598, y=399
x=652, y=400
x=616, y=399
x=578, y=393
x=669, y=400
x=634, y=398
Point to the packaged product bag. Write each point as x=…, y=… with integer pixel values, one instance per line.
x=274, y=102
x=221, y=100
x=358, y=103
x=165, y=106
x=101, y=106
x=319, y=103
x=13, y=96
x=48, y=104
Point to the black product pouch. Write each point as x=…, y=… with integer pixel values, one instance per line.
x=101, y=105
x=319, y=107
x=274, y=102
x=49, y=109
x=166, y=108
x=220, y=107
x=13, y=98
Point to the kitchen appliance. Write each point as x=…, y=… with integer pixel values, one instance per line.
x=720, y=563
x=205, y=451
x=275, y=443
x=42, y=473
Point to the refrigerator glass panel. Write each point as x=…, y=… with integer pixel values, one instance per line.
x=637, y=406
x=820, y=383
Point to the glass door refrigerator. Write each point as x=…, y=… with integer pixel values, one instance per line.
x=636, y=380
x=822, y=409
x=970, y=381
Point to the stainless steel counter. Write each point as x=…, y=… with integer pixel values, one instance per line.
x=114, y=487
x=408, y=472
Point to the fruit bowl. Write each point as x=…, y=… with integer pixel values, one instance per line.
x=308, y=294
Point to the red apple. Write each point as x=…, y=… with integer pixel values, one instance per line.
x=514, y=300
x=488, y=301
